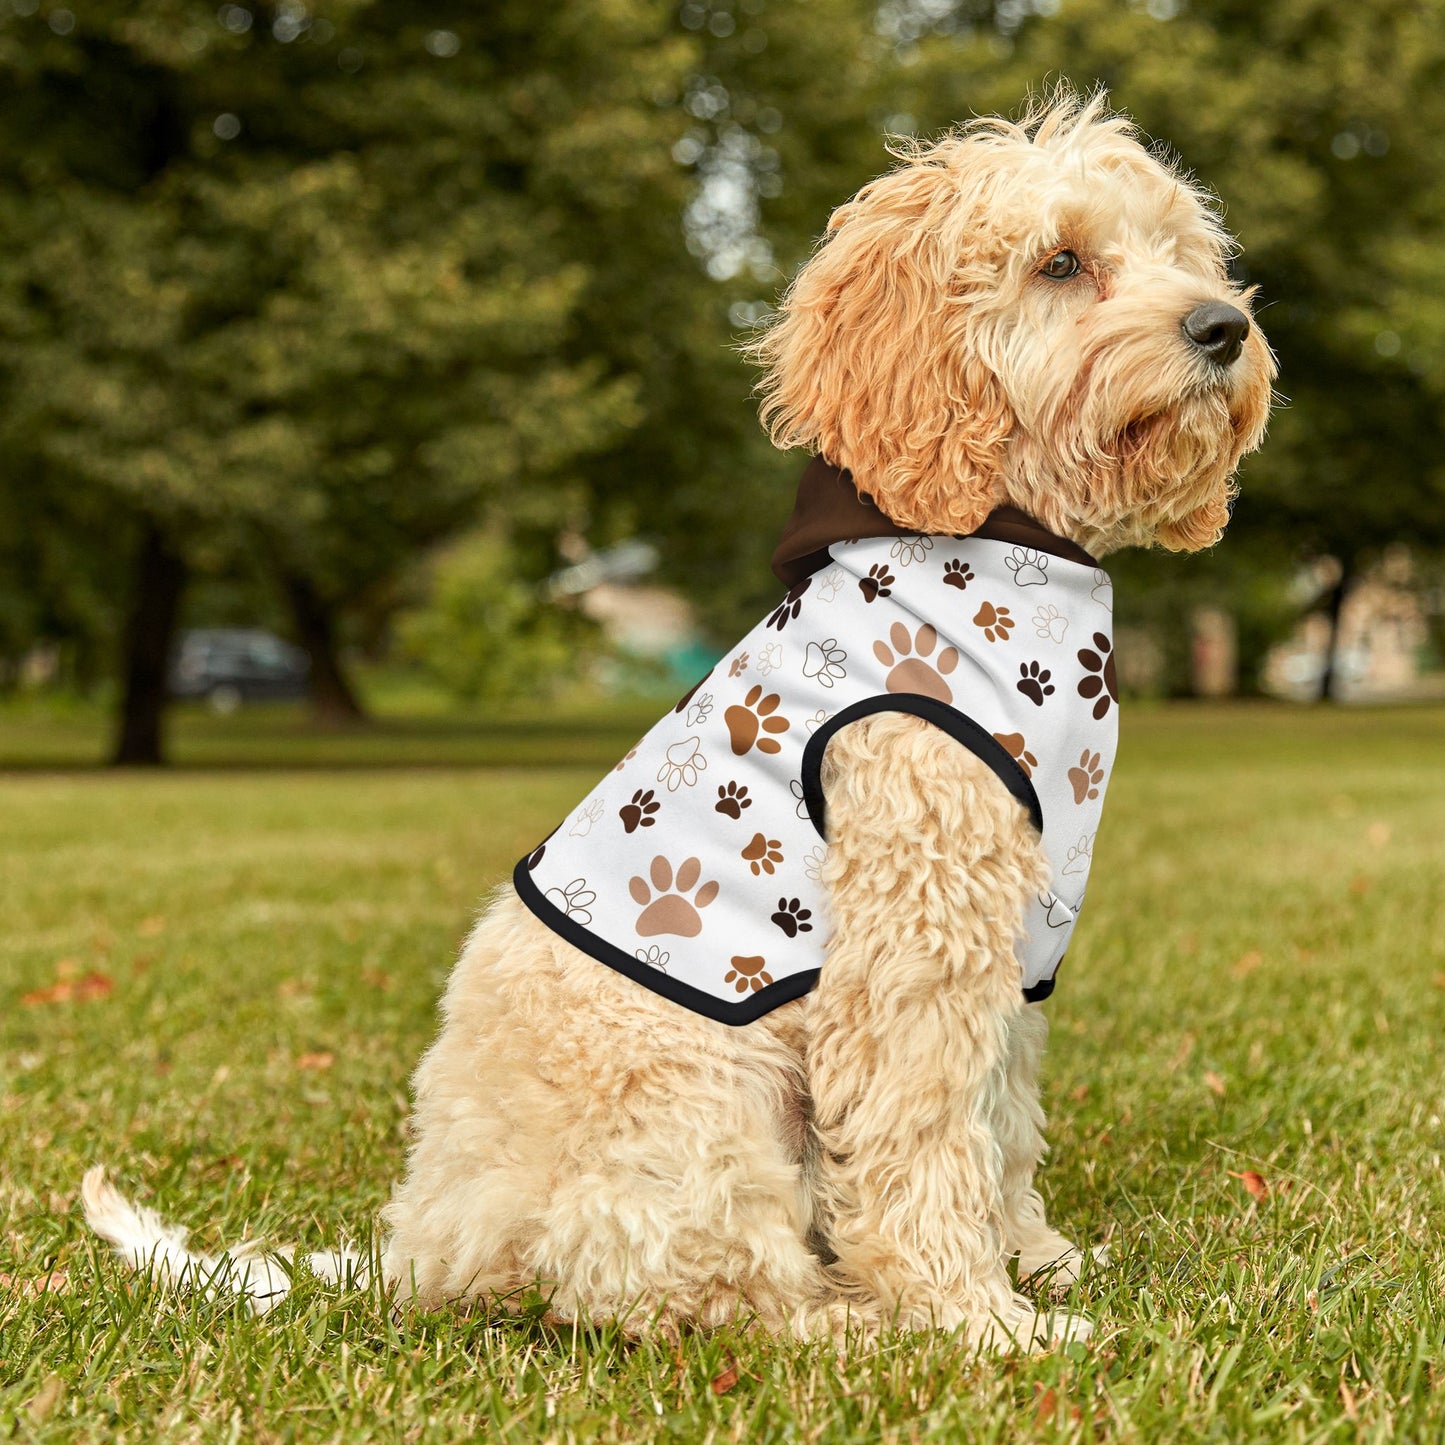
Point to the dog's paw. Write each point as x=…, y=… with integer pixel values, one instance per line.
x=1023, y=1326
x=1058, y=1272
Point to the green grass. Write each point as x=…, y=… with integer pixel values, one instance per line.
x=1257, y=985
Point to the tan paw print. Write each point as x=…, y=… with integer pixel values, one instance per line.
x=752, y=716
x=996, y=622
x=738, y=665
x=748, y=972
x=1015, y=746
x=913, y=674
x=669, y=911
x=1086, y=777
x=763, y=854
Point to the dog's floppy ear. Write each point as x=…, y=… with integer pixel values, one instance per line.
x=871, y=360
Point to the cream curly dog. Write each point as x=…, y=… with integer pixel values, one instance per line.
x=1026, y=320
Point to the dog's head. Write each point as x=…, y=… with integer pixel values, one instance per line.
x=1036, y=313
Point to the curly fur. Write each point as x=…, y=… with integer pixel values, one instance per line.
x=864, y=1155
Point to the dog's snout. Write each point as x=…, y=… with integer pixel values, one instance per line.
x=1218, y=330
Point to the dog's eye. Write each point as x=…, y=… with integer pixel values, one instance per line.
x=1060, y=266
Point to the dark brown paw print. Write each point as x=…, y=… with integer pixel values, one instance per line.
x=763, y=854
x=535, y=857
x=787, y=610
x=957, y=574
x=732, y=800
x=748, y=972
x=792, y=917
x=753, y=716
x=1015, y=746
x=1102, y=682
x=877, y=583
x=996, y=622
x=1034, y=682
x=1086, y=777
x=639, y=813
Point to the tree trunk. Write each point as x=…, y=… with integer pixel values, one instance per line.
x=333, y=700
x=1334, y=608
x=160, y=578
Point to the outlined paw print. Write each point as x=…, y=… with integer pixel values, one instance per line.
x=792, y=917
x=914, y=674
x=1057, y=914
x=732, y=800
x=813, y=864
x=817, y=720
x=749, y=971
x=1030, y=568
x=586, y=817
x=669, y=911
x=1081, y=854
x=787, y=610
x=639, y=813
x=957, y=574
x=1050, y=624
x=800, y=798
x=575, y=899
x=1034, y=682
x=654, y=957
x=824, y=661
x=997, y=622
x=681, y=764
x=691, y=693
x=908, y=550
x=625, y=761
x=754, y=716
x=1015, y=746
x=1103, y=588
x=1086, y=777
x=831, y=584
x=1102, y=682
x=700, y=711
x=770, y=659
x=878, y=583
x=763, y=854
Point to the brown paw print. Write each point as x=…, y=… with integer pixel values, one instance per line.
x=913, y=674
x=625, y=761
x=753, y=716
x=732, y=800
x=787, y=610
x=535, y=857
x=996, y=622
x=763, y=854
x=877, y=583
x=639, y=812
x=1086, y=777
x=1102, y=682
x=957, y=574
x=1015, y=746
x=738, y=665
x=792, y=917
x=749, y=972
x=669, y=911
x=688, y=696
x=1034, y=682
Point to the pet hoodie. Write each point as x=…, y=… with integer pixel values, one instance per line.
x=695, y=866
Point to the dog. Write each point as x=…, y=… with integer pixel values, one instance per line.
x=1021, y=344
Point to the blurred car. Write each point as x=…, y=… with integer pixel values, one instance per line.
x=228, y=666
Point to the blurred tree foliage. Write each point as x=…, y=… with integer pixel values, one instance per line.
x=326, y=285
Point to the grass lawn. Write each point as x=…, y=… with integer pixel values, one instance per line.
x=216, y=980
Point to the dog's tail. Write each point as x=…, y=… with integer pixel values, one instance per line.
x=147, y=1243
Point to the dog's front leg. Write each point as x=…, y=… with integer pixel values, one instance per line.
x=929, y=868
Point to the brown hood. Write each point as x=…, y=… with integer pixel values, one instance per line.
x=830, y=508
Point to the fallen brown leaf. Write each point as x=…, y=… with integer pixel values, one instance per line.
x=66, y=990
x=377, y=978
x=1247, y=963
x=1214, y=1083
x=722, y=1383
x=1080, y=1094
x=1255, y=1184
x=1440, y=980
x=1046, y=1407
x=322, y=1059
x=56, y=1282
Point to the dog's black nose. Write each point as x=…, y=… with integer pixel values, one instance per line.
x=1218, y=330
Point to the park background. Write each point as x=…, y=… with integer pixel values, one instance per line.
x=408, y=333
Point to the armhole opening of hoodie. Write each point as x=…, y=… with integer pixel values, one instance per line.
x=947, y=719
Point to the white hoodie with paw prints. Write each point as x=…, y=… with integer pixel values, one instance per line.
x=694, y=867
